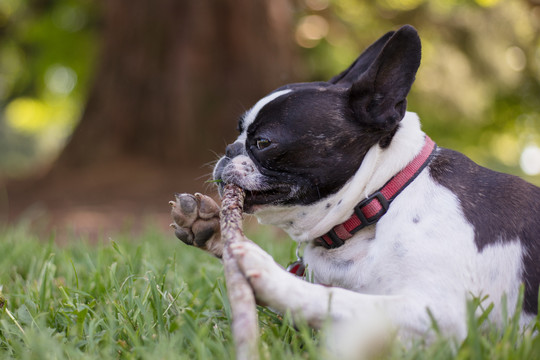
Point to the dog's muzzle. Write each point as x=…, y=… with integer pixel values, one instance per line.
x=232, y=150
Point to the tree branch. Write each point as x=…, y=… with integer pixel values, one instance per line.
x=244, y=312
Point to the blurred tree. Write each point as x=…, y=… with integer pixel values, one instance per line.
x=173, y=75
x=170, y=80
x=47, y=49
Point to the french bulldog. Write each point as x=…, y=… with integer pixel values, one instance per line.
x=398, y=233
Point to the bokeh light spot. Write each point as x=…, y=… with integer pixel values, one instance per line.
x=311, y=29
x=515, y=58
x=60, y=79
x=530, y=160
x=317, y=5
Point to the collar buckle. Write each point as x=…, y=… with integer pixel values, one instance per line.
x=370, y=220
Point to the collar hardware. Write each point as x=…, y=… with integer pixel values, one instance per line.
x=370, y=210
x=364, y=219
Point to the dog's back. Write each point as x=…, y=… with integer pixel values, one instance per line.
x=501, y=207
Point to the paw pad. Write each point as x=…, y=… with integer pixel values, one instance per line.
x=196, y=218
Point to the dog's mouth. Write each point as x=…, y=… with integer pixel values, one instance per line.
x=258, y=198
x=264, y=197
x=260, y=190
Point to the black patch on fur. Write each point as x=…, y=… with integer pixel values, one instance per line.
x=501, y=208
x=317, y=143
x=319, y=133
x=378, y=97
x=385, y=141
x=362, y=63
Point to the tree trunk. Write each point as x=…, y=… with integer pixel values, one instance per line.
x=172, y=78
x=174, y=75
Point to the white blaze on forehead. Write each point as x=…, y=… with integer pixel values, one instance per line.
x=252, y=113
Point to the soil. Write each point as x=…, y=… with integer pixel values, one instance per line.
x=98, y=201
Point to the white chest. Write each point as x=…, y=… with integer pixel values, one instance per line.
x=423, y=246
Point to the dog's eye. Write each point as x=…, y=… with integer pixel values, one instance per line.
x=263, y=143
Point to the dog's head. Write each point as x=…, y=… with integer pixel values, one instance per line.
x=303, y=142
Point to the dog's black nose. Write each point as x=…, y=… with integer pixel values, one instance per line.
x=234, y=149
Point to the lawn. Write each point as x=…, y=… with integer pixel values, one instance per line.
x=151, y=297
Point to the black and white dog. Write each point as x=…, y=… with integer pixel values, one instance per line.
x=395, y=226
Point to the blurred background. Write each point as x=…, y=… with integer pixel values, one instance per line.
x=109, y=107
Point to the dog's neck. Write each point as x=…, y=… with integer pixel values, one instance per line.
x=304, y=223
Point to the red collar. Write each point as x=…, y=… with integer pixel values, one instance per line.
x=371, y=209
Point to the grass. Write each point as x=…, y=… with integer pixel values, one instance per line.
x=154, y=298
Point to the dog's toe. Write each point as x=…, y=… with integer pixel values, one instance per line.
x=184, y=209
x=208, y=208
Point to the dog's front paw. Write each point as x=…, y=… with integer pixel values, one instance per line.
x=196, y=222
x=262, y=272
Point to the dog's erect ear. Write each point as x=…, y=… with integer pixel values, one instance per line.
x=378, y=96
x=362, y=63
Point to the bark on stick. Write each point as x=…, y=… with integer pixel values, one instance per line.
x=245, y=328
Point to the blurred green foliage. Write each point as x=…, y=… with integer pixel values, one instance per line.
x=477, y=90
x=47, y=53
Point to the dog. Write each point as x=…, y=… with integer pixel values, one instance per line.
x=399, y=233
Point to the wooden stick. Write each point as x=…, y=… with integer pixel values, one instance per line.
x=245, y=328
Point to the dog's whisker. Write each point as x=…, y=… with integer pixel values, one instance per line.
x=207, y=176
x=386, y=213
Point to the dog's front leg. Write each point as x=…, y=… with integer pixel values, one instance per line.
x=355, y=320
x=284, y=292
